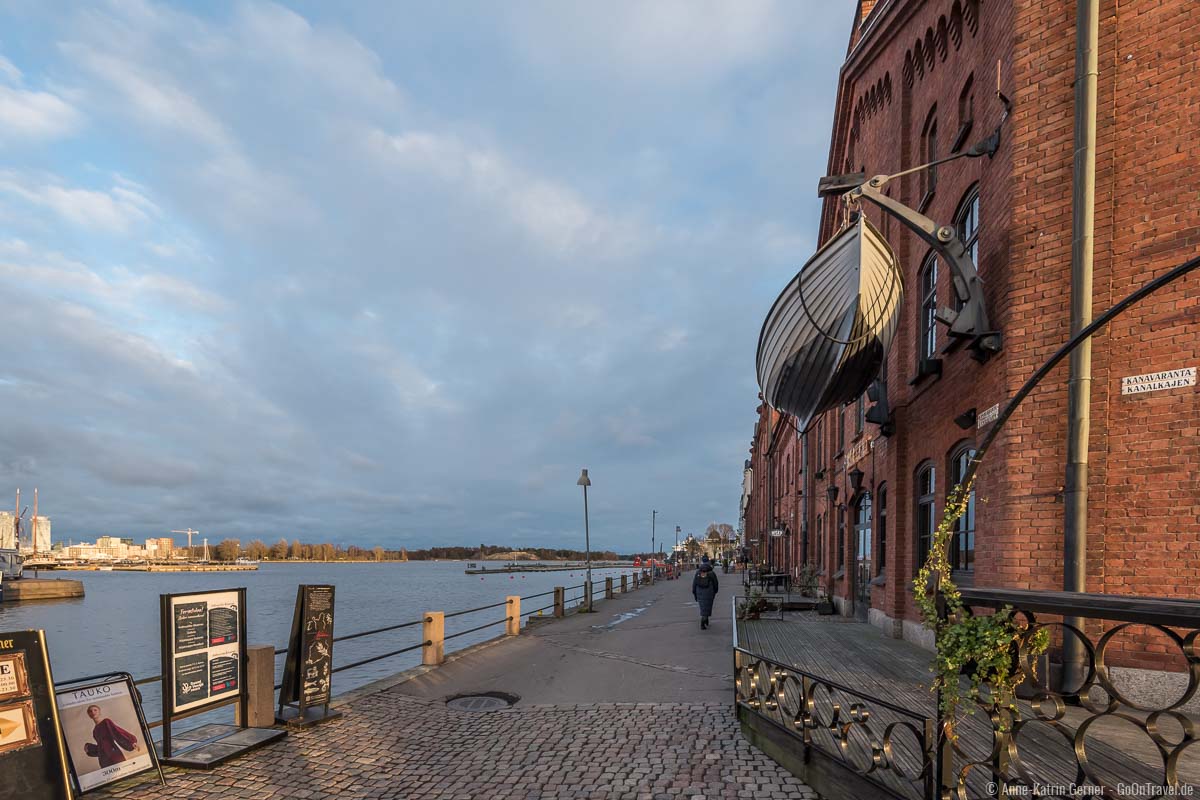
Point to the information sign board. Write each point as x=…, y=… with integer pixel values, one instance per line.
x=308, y=671
x=33, y=758
x=106, y=734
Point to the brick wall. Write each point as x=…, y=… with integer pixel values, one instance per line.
x=1144, y=511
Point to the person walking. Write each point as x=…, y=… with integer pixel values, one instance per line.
x=704, y=590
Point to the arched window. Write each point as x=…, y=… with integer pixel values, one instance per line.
x=841, y=537
x=929, y=153
x=862, y=529
x=927, y=324
x=820, y=542
x=881, y=550
x=962, y=545
x=967, y=223
x=926, y=513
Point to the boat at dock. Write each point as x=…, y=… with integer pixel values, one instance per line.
x=825, y=337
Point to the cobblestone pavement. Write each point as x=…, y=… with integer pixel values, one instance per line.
x=392, y=746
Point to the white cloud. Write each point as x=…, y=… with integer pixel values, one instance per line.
x=663, y=42
x=550, y=213
x=30, y=115
x=115, y=210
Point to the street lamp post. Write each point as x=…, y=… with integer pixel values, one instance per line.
x=653, y=516
x=585, y=482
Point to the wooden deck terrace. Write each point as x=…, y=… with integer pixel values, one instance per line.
x=875, y=728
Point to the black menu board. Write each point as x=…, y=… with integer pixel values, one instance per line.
x=202, y=648
x=33, y=757
x=308, y=672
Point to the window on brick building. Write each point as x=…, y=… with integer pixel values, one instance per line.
x=962, y=545
x=966, y=102
x=841, y=428
x=820, y=444
x=881, y=550
x=862, y=529
x=927, y=324
x=860, y=414
x=967, y=223
x=929, y=153
x=926, y=513
x=820, y=542
x=841, y=537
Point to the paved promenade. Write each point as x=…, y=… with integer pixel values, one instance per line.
x=633, y=702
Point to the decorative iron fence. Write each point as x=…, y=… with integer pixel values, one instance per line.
x=1130, y=726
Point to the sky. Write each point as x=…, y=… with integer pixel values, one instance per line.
x=393, y=273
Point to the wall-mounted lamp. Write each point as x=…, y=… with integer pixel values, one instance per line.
x=832, y=491
x=856, y=479
x=966, y=420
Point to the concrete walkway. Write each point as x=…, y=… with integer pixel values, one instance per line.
x=633, y=702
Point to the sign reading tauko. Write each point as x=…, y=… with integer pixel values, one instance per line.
x=1158, y=381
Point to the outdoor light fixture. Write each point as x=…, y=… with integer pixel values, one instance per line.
x=856, y=479
x=832, y=491
x=966, y=420
x=585, y=482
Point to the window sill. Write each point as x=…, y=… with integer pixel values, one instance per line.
x=926, y=368
x=964, y=578
x=879, y=580
x=841, y=573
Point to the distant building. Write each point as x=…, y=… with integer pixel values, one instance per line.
x=41, y=534
x=8, y=531
x=162, y=547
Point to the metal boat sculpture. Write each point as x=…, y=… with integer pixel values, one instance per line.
x=828, y=333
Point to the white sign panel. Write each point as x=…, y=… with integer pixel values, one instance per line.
x=204, y=648
x=104, y=733
x=988, y=416
x=775, y=534
x=1158, y=381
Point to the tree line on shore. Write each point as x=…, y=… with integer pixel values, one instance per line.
x=283, y=550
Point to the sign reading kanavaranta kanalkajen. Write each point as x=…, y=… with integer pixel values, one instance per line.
x=1158, y=381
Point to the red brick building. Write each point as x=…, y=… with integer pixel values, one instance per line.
x=918, y=83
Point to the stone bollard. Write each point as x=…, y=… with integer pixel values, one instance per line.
x=624, y=584
x=260, y=687
x=433, y=633
x=608, y=592
x=587, y=595
x=513, y=625
x=560, y=604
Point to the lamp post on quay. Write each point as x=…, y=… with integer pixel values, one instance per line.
x=585, y=482
x=653, y=517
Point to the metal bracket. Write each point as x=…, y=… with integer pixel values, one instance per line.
x=970, y=322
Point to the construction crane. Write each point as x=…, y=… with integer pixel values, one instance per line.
x=190, y=533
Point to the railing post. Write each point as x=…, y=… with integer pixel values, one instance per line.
x=587, y=595
x=560, y=602
x=608, y=592
x=624, y=584
x=433, y=633
x=513, y=625
x=260, y=685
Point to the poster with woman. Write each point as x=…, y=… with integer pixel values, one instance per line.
x=106, y=735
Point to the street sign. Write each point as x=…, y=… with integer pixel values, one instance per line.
x=775, y=534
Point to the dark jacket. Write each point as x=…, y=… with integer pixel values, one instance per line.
x=705, y=594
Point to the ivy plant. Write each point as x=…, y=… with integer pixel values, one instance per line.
x=985, y=648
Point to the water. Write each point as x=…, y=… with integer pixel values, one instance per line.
x=115, y=626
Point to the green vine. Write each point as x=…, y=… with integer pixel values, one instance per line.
x=986, y=648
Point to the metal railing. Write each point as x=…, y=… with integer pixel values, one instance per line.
x=1110, y=732
x=279, y=651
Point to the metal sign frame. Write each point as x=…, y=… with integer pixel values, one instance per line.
x=37, y=767
x=135, y=698
x=167, y=649
x=302, y=642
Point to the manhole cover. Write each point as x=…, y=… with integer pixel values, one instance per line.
x=493, y=701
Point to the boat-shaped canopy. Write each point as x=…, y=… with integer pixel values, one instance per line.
x=828, y=333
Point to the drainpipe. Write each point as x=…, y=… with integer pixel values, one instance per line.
x=1079, y=385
